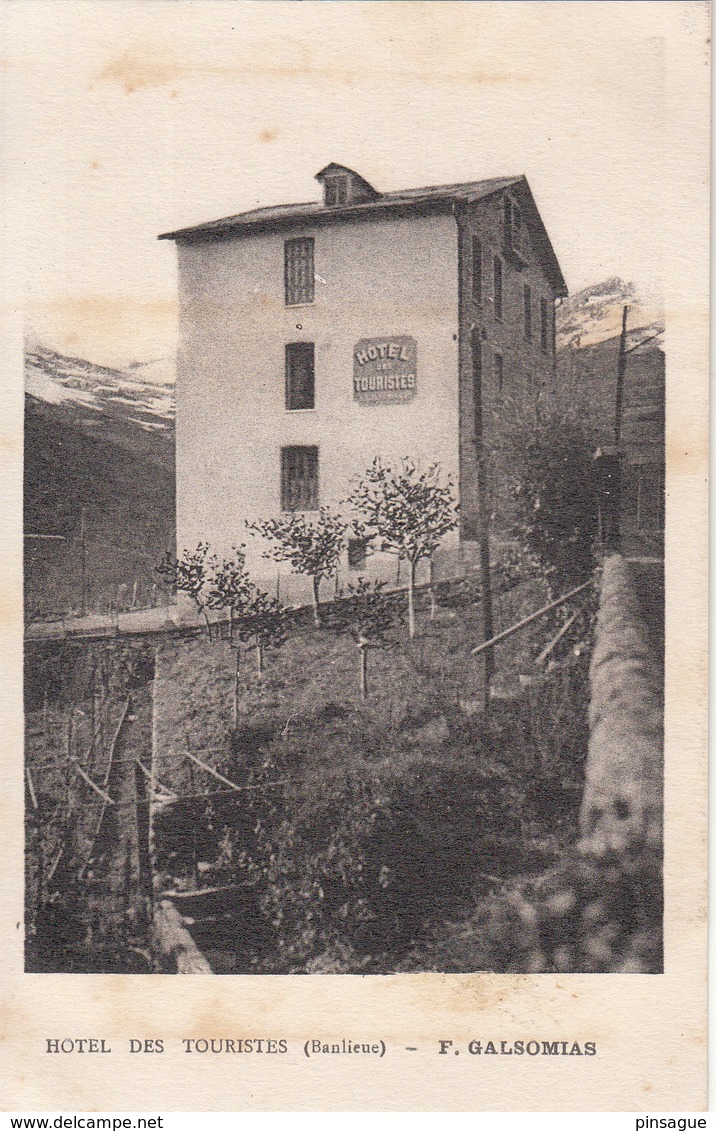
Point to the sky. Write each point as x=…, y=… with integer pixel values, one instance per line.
x=127, y=119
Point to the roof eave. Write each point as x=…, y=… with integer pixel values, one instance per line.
x=554, y=270
x=325, y=216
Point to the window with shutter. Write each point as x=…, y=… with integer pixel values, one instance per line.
x=336, y=191
x=544, y=324
x=299, y=479
x=357, y=553
x=476, y=270
x=498, y=286
x=499, y=373
x=299, y=271
x=528, y=313
x=300, y=375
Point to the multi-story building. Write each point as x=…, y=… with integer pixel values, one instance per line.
x=316, y=336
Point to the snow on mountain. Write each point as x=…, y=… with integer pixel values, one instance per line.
x=160, y=371
x=142, y=393
x=594, y=315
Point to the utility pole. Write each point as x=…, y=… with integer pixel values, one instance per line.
x=614, y=469
x=621, y=370
x=83, y=550
x=484, y=526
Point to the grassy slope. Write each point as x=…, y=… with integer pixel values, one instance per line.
x=455, y=808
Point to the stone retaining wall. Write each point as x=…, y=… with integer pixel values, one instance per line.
x=623, y=795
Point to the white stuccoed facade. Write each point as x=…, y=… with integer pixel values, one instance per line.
x=430, y=309
x=383, y=279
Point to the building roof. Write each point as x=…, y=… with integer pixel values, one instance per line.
x=431, y=198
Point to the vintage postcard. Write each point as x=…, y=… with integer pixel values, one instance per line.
x=354, y=561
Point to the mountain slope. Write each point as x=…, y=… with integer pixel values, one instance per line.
x=594, y=315
x=588, y=334
x=99, y=453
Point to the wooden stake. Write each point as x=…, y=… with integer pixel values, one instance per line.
x=68, y=763
x=113, y=743
x=55, y=864
x=158, y=785
x=93, y=785
x=214, y=773
x=549, y=648
x=487, y=644
x=315, y=583
x=31, y=788
x=363, y=671
x=235, y=703
x=411, y=599
x=194, y=858
x=41, y=866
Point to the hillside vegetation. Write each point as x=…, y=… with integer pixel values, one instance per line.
x=363, y=825
x=100, y=441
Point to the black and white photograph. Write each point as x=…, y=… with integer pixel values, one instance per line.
x=347, y=362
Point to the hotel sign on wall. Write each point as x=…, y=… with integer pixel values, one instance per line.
x=385, y=370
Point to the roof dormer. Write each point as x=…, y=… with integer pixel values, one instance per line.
x=343, y=186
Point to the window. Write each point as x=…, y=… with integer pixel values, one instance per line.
x=476, y=350
x=528, y=313
x=499, y=373
x=336, y=191
x=357, y=553
x=513, y=225
x=298, y=271
x=516, y=227
x=498, y=286
x=300, y=375
x=299, y=479
x=544, y=324
x=476, y=270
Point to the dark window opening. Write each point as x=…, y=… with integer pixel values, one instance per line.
x=336, y=191
x=299, y=479
x=476, y=270
x=513, y=225
x=300, y=375
x=544, y=324
x=476, y=350
x=499, y=373
x=528, y=313
x=498, y=286
x=357, y=552
x=298, y=271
